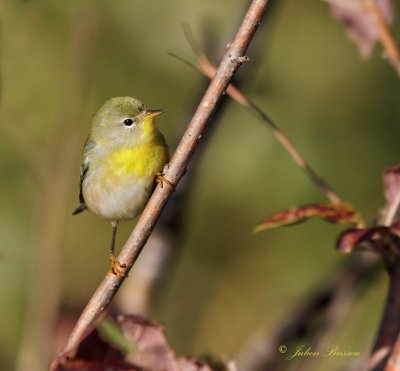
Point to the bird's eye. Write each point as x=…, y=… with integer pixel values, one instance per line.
x=128, y=122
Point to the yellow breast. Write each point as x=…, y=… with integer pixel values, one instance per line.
x=119, y=185
x=139, y=161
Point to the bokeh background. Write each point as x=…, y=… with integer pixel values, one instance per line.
x=61, y=60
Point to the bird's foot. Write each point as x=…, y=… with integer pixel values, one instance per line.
x=116, y=267
x=162, y=180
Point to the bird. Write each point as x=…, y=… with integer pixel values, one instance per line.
x=123, y=159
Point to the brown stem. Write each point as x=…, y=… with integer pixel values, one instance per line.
x=209, y=70
x=146, y=287
x=297, y=156
x=130, y=252
x=385, y=35
x=385, y=354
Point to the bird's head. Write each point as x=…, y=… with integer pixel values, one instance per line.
x=124, y=121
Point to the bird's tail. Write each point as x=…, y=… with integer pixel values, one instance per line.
x=79, y=209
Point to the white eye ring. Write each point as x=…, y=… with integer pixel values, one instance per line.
x=128, y=122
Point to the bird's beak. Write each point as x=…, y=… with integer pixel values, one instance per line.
x=151, y=113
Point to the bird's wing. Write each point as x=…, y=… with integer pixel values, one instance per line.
x=87, y=149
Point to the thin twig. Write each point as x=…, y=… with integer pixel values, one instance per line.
x=386, y=351
x=146, y=287
x=130, y=252
x=392, y=210
x=385, y=34
x=208, y=69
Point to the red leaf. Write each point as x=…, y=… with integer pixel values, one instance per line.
x=342, y=213
x=360, y=26
x=352, y=238
x=151, y=351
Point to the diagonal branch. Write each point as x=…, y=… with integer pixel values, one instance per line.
x=208, y=69
x=130, y=252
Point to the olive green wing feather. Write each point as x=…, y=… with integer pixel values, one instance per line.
x=89, y=146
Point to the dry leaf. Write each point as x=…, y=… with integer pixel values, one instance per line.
x=143, y=347
x=359, y=24
x=342, y=213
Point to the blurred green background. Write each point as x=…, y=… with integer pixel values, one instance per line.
x=61, y=60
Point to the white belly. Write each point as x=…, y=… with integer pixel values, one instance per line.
x=115, y=201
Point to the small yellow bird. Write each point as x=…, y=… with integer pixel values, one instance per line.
x=123, y=156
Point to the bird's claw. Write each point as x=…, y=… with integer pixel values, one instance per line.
x=116, y=267
x=161, y=179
